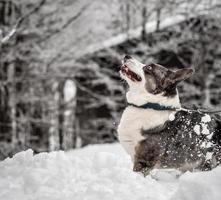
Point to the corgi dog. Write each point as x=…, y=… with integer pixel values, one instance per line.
x=155, y=131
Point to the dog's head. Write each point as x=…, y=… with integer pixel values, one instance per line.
x=154, y=78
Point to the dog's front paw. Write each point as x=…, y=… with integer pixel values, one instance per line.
x=137, y=167
x=146, y=171
x=140, y=167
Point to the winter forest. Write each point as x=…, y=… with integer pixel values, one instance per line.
x=60, y=89
x=59, y=82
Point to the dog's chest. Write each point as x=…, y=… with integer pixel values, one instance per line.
x=133, y=120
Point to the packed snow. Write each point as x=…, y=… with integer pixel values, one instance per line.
x=202, y=127
x=98, y=172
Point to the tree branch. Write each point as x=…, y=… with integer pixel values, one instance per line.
x=70, y=21
x=20, y=20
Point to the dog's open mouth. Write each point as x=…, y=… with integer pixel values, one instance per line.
x=130, y=74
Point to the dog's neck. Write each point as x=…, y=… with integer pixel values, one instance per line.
x=140, y=97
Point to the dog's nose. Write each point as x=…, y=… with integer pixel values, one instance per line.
x=127, y=57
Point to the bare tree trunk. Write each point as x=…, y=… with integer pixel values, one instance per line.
x=27, y=126
x=69, y=114
x=61, y=133
x=127, y=16
x=12, y=101
x=158, y=12
x=207, y=97
x=54, y=129
x=9, y=16
x=78, y=140
x=61, y=113
x=144, y=19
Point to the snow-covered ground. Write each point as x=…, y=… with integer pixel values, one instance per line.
x=97, y=172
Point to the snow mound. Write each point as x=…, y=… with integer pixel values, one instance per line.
x=199, y=185
x=96, y=172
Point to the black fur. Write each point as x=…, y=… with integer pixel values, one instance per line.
x=159, y=79
x=170, y=91
x=176, y=144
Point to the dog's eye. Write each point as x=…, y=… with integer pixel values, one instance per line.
x=149, y=67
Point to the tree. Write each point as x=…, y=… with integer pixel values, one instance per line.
x=39, y=114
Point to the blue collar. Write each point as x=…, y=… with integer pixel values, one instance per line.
x=154, y=106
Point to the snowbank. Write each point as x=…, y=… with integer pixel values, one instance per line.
x=95, y=172
x=199, y=185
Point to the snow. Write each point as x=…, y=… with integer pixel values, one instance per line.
x=98, y=172
x=202, y=128
x=196, y=129
x=171, y=117
x=199, y=185
x=206, y=118
x=205, y=130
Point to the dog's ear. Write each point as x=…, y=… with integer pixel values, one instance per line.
x=181, y=74
x=174, y=77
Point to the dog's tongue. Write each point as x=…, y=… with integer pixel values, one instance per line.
x=130, y=74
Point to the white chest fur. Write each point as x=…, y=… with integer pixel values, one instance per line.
x=133, y=120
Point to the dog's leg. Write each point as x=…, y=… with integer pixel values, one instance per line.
x=216, y=157
x=141, y=167
x=147, y=154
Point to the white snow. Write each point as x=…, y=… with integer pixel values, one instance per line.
x=202, y=127
x=209, y=155
x=171, y=117
x=205, y=130
x=196, y=129
x=206, y=118
x=98, y=172
x=199, y=185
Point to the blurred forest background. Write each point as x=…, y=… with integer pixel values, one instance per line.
x=59, y=63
